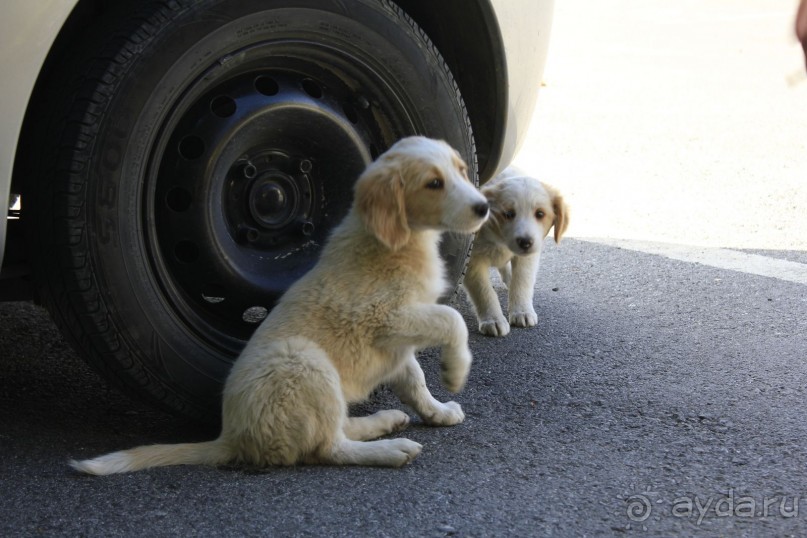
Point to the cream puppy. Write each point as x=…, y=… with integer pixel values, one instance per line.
x=522, y=210
x=351, y=323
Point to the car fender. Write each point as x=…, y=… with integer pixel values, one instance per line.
x=526, y=59
x=27, y=32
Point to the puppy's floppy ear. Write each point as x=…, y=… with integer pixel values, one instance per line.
x=492, y=192
x=489, y=190
x=561, y=210
x=380, y=203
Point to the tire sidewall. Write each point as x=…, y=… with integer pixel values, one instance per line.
x=189, y=43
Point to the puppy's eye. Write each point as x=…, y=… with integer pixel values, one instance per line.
x=539, y=214
x=509, y=214
x=435, y=184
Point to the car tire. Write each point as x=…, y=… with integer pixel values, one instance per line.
x=190, y=161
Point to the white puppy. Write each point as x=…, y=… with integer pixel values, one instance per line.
x=353, y=322
x=522, y=210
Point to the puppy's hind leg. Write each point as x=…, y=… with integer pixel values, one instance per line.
x=506, y=272
x=346, y=445
x=383, y=453
x=289, y=408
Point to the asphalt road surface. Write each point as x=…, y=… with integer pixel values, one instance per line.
x=663, y=392
x=650, y=385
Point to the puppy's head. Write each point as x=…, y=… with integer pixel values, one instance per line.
x=523, y=210
x=418, y=184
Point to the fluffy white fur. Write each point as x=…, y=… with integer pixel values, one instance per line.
x=522, y=210
x=353, y=322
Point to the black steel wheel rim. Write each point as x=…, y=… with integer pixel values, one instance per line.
x=252, y=168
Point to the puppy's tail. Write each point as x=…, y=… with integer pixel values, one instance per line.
x=143, y=457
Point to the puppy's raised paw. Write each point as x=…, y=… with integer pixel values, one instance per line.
x=523, y=319
x=455, y=369
x=494, y=327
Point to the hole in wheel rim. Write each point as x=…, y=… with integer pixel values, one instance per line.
x=223, y=106
x=267, y=86
x=178, y=199
x=312, y=88
x=186, y=252
x=191, y=147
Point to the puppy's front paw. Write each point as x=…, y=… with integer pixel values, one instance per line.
x=446, y=414
x=523, y=319
x=455, y=368
x=399, y=451
x=494, y=327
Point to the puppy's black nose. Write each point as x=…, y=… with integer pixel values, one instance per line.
x=524, y=242
x=481, y=209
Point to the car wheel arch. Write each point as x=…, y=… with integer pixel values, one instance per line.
x=478, y=64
